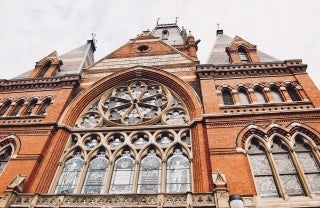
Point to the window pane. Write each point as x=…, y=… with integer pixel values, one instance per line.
x=276, y=94
x=70, y=175
x=178, y=173
x=150, y=174
x=122, y=177
x=309, y=165
x=266, y=186
x=260, y=95
x=96, y=174
x=261, y=169
x=287, y=171
x=243, y=95
x=227, y=97
x=5, y=155
x=293, y=93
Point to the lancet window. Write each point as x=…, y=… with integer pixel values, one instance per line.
x=15, y=111
x=277, y=97
x=5, y=155
x=227, y=97
x=293, y=93
x=5, y=107
x=281, y=169
x=261, y=98
x=129, y=160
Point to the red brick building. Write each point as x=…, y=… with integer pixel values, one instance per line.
x=150, y=126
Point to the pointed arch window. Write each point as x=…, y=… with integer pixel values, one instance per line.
x=261, y=169
x=123, y=172
x=287, y=171
x=244, y=58
x=243, y=95
x=308, y=163
x=261, y=98
x=69, y=178
x=5, y=107
x=282, y=169
x=134, y=161
x=150, y=173
x=44, y=69
x=45, y=104
x=227, y=97
x=5, y=155
x=17, y=108
x=31, y=106
x=293, y=93
x=277, y=97
x=96, y=174
x=178, y=173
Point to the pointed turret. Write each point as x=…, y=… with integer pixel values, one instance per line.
x=227, y=50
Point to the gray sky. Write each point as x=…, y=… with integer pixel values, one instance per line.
x=30, y=30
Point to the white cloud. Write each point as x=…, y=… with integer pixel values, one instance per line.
x=286, y=29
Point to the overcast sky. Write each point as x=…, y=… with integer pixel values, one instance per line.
x=32, y=29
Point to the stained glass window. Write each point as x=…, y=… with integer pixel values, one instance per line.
x=261, y=170
x=308, y=164
x=178, y=173
x=286, y=169
x=150, y=174
x=96, y=175
x=70, y=175
x=122, y=176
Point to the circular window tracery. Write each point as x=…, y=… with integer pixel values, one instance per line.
x=133, y=103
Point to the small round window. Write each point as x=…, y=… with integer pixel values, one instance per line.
x=143, y=48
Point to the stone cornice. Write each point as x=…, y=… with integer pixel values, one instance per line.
x=242, y=119
x=50, y=83
x=209, y=71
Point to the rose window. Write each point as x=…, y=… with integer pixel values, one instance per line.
x=133, y=103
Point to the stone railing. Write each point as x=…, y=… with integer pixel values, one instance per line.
x=119, y=200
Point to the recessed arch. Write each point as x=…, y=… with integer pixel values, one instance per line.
x=188, y=95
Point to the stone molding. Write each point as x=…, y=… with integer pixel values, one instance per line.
x=210, y=71
x=51, y=83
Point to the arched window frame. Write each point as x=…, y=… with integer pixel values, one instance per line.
x=243, y=55
x=244, y=96
x=32, y=104
x=74, y=176
x=44, y=106
x=5, y=155
x=260, y=95
x=301, y=175
x=227, y=97
x=276, y=94
x=80, y=141
x=44, y=69
x=5, y=106
x=17, y=107
x=12, y=144
x=293, y=93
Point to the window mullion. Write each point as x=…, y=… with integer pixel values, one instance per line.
x=82, y=177
x=276, y=175
x=300, y=173
x=136, y=175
